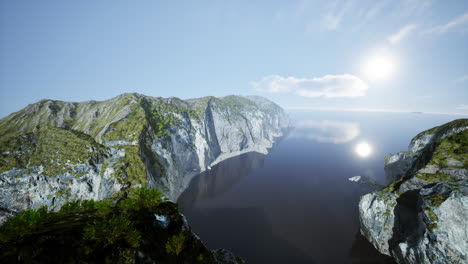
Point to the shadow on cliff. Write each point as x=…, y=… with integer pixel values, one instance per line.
x=247, y=233
x=406, y=227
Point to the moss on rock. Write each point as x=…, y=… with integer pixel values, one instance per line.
x=123, y=231
x=55, y=149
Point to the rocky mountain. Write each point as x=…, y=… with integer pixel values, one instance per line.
x=53, y=151
x=422, y=215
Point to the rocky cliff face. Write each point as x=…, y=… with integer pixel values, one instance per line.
x=422, y=215
x=54, y=151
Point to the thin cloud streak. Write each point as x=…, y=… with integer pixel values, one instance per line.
x=456, y=22
x=462, y=107
x=402, y=33
x=332, y=19
x=328, y=86
x=413, y=8
x=463, y=78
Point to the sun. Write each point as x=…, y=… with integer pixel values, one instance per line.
x=363, y=149
x=380, y=65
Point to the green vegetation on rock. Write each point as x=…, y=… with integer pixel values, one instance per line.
x=161, y=116
x=131, y=168
x=55, y=149
x=451, y=151
x=99, y=230
x=441, y=129
x=175, y=244
x=435, y=178
x=124, y=230
x=128, y=128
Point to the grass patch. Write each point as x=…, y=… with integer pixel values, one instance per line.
x=54, y=148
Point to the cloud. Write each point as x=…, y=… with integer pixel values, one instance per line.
x=402, y=33
x=413, y=8
x=332, y=19
x=326, y=131
x=456, y=22
x=462, y=107
x=461, y=79
x=374, y=11
x=328, y=86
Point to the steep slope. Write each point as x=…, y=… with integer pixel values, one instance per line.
x=54, y=151
x=140, y=227
x=422, y=215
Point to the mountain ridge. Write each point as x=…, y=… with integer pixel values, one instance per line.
x=90, y=150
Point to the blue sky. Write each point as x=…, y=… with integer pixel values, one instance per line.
x=379, y=55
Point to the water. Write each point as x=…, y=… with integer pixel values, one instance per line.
x=295, y=205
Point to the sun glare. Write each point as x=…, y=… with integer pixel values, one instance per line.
x=379, y=66
x=363, y=149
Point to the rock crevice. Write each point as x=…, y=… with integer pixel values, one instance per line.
x=422, y=215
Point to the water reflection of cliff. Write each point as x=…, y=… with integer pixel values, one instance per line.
x=220, y=179
x=363, y=252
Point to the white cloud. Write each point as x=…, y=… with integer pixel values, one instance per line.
x=326, y=131
x=456, y=22
x=461, y=79
x=402, y=33
x=328, y=86
x=462, y=107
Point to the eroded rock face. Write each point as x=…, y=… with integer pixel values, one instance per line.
x=442, y=226
x=376, y=215
x=54, y=151
x=421, y=216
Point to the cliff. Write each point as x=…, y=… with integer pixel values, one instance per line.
x=54, y=151
x=422, y=215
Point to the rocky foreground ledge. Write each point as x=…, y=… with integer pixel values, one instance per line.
x=422, y=215
x=139, y=226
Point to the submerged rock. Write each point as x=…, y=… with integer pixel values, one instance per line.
x=422, y=215
x=365, y=181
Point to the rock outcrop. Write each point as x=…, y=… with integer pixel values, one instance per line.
x=422, y=215
x=366, y=181
x=137, y=227
x=54, y=151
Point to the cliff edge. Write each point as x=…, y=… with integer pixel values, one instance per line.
x=54, y=151
x=422, y=215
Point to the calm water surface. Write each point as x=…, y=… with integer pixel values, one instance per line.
x=295, y=205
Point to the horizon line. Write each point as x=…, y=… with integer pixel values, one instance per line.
x=372, y=110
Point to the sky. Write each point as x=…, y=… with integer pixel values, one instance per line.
x=407, y=55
